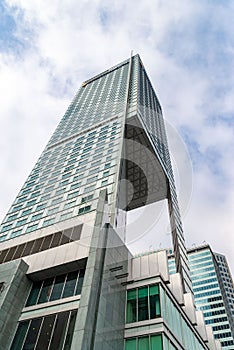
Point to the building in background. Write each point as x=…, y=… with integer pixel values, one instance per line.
x=213, y=291
x=64, y=266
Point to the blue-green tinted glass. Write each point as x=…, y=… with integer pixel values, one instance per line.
x=130, y=344
x=46, y=290
x=45, y=332
x=70, y=284
x=131, y=312
x=59, y=331
x=154, y=302
x=70, y=331
x=156, y=342
x=58, y=287
x=20, y=336
x=33, y=296
x=32, y=334
x=143, y=312
x=80, y=282
x=143, y=343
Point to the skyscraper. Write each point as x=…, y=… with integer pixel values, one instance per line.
x=213, y=291
x=64, y=265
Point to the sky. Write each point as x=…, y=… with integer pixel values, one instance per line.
x=48, y=48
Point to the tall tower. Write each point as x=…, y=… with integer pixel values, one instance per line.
x=112, y=131
x=213, y=291
x=107, y=156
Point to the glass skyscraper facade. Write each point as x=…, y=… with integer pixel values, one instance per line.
x=65, y=270
x=213, y=291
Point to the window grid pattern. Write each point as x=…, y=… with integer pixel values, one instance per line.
x=71, y=168
x=209, y=295
x=55, y=288
x=143, y=303
x=51, y=332
x=43, y=243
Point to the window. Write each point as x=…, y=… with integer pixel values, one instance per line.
x=21, y=199
x=91, y=179
x=12, y=217
x=107, y=165
x=66, y=216
x=76, y=185
x=90, y=188
x=73, y=194
x=56, y=200
x=41, y=206
x=84, y=209
x=87, y=198
x=65, y=176
x=106, y=173
x=37, y=216
x=30, y=203
x=62, y=190
x=95, y=170
x=17, y=207
x=143, y=304
x=48, y=222
x=55, y=288
x=16, y=233
x=26, y=212
x=69, y=205
x=104, y=182
x=31, y=228
x=147, y=343
x=52, y=210
x=21, y=222
x=55, y=329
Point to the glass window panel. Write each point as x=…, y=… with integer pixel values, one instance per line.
x=33, y=296
x=45, y=333
x=80, y=282
x=70, y=284
x=32, y=334
x=19, y=251
x=143, y=313
x=131, y=344
x=64, y=239
x=59, y=331
x=20, y=336
x=154, y=302
x=58, y=287
x=46, y=290
x=56, y=239
x=156, y=342
x=37, y=245
x=76, y=232
x=68, y=233
x=46, y=242
x=28, y=248
x=70, y=331
x=131, y=306
x=3, y=255
x=143, y=343
x=10, y=254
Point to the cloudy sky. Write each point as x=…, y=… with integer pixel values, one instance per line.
x=47, y=48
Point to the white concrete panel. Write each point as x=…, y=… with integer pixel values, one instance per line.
x=176, y=287
x=189, y=307
x=136, y=269
x=163, y=265
x=153, y=264
x=201, y=327
x=144, y=266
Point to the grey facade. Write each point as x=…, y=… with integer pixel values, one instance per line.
x=64, y=267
